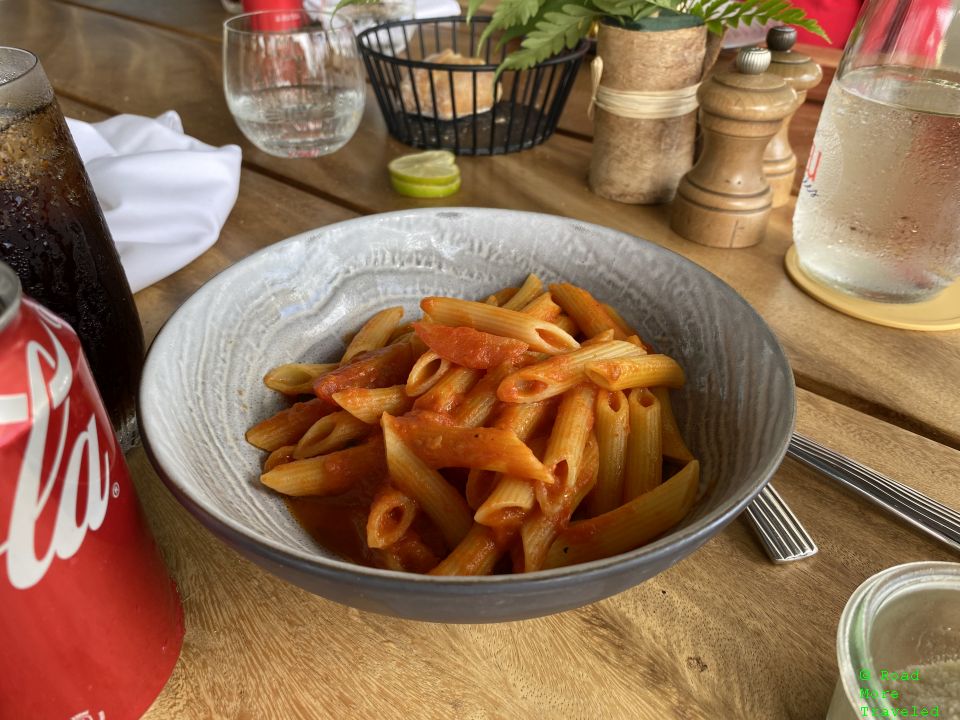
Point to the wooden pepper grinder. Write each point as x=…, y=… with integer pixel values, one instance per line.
x=725, y=200
x=800, y=73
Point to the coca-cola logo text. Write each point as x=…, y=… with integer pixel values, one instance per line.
x=50, y=378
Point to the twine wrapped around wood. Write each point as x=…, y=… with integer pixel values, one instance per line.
x=639, y=104
x=637, y=158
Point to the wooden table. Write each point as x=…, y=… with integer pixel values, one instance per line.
x=722, y=633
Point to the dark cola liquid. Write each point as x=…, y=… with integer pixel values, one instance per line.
x=52, y=233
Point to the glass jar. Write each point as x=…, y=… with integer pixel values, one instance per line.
x=898, y=644
x=877, y=214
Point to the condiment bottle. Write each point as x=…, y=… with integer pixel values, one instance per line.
x=800, y=73
x=725, y=200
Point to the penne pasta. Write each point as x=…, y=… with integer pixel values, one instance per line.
x=278, y=457
x=509, y=501
x=409, y=554
x=613, y=428
x=566, y=323
x=441, y=446
x=501, y=296
x=470, y=348
x=540, y=529
x=400, y=332
x=415, y=478
x=524, y=420
x=511, y=498
x=368, y=404
x=636, y=371
x=541, y=423
x=374, y=334
x=377, y=368
x=541, y=336
x=619, y=323
x=329, y=433
x=449, y=392
x=480, y=483
x=599, y=338
x=287, y=426
x=671, y=441
x=644, y=463
x=296, y=378
x=476, y=554
x=542, y=307
x=589, y=315
x=328, y=474
x=530, y=289
x=565, y=447
x=629, y=526
x=479, y=403
x=559, y=373
x=391, y=515
x=426, y=372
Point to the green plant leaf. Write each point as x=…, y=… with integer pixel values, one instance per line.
x=718, y=14
x=472, y=7
x=509, y=14
x=553, y=33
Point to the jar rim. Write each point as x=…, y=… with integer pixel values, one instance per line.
x=856, y=620
x=240, y=24
x=26, y=71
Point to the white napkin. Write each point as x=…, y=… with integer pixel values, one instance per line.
x=164, y=194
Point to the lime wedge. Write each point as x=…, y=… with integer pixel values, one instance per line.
x=434, y=167
x=418, y=190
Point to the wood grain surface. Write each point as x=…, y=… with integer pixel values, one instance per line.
x=722, y=634
x=161, y=69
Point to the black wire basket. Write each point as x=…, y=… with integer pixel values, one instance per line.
x=445, y=105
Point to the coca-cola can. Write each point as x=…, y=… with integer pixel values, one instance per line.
x=90, y=621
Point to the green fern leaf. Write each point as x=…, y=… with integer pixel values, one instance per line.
x=472, y=7
x=508, y=14
x=718, y=15
x=551, y=35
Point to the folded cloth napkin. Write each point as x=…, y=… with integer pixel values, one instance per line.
x=164, y=194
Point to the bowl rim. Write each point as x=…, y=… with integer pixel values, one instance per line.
x=686, y=540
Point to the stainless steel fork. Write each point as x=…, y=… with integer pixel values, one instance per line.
x=782, y=535
x=913, y=507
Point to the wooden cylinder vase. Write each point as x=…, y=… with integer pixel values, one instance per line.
x=638, y=160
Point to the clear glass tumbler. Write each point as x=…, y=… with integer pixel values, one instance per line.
x=877, y=214
x=293, y=81
x=898, y=645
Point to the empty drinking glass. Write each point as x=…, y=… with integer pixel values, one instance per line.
x=293, y=81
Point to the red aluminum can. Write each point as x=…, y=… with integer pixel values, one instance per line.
x=90, y=622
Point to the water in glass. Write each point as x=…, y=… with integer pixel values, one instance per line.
x=877, y=213
x=293, y=83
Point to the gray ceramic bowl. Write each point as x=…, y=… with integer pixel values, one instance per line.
x=295, y=300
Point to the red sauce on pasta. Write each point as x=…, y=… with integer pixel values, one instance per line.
x=339, y=524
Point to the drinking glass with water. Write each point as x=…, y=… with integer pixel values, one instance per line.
x=878, y=213
x=293, y=81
